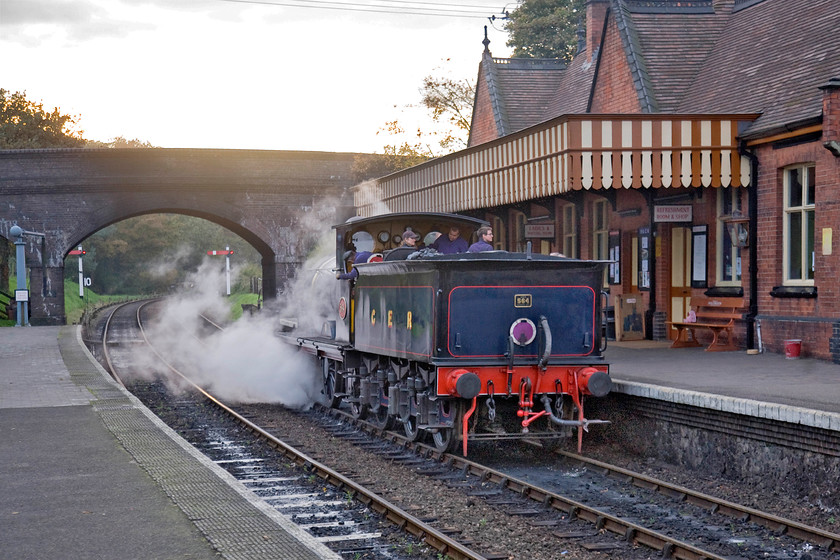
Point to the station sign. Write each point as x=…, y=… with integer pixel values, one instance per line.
x=539, y=230
x=672, y=213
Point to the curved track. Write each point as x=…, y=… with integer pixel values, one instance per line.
x=438, y=540
x=668, y=546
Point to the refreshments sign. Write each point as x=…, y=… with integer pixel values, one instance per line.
x=672, y=213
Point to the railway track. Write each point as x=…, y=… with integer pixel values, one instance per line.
x=729, y=530
x=789, y=539
x=324, y=514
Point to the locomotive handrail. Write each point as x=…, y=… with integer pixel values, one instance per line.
x=547, y=333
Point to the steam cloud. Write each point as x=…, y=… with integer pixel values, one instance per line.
x=247, y=362
x=244, y=363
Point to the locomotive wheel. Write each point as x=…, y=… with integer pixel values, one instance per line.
x=380, y=418
x=412, y=432
x=358, y=410
x=330, y=380
x=445, y=440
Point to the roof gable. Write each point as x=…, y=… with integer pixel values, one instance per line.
x=519, y=92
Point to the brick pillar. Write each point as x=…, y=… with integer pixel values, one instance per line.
x=834, y=343
x=46, y=292
x=831, y=110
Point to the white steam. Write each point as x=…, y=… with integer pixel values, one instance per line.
x=244, y=363
x=371, y=195
x=247, y=362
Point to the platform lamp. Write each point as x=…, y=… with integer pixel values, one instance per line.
x=738, y=226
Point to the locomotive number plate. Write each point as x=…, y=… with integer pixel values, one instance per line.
x=522, y=300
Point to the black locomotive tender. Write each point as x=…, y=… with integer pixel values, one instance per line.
x=463, y=346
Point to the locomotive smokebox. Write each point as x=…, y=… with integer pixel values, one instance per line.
x=463, y=383
x=595, y=382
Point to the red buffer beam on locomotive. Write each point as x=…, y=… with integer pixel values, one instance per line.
x=458, y=346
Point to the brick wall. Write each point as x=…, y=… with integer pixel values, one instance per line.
x=614, y=91
x=483, y=127
x=809, y=319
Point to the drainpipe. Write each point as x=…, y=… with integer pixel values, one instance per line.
x=752, y=197
x=651, y=312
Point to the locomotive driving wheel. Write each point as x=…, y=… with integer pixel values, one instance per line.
x=447, y=439
x=380, y=417
x=444, y=439
x=412, y=432
x=330, y=373
x=358, y=410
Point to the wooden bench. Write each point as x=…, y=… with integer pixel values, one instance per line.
x=717, y=314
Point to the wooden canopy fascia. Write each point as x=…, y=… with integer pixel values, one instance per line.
x=571, y=153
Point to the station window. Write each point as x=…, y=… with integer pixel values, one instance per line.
x=601, y=234
x=498, y=234
x=569, y=236
x=798, y=226
x=728, y=256
x=600, y=230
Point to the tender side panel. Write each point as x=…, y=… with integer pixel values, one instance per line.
x=395, y=320
x=479, y=320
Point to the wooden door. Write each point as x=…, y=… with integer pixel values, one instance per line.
x=680, y=291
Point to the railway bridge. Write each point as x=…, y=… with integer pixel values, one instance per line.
x=262, y=196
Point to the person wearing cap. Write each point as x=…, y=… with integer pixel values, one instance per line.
x=409, y=239
x=485, y=240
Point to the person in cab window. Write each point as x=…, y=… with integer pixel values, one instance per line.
x=450, y=244
x=485, y=240
x=409, y=239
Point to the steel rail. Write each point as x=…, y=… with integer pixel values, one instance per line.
x=107, y=353
x=402, y=519
x=781, y=526
x=637, y=534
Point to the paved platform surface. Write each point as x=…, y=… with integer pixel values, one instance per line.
x=802, y=391
x=86, y=471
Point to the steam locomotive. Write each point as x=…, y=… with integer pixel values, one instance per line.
x=461, y=347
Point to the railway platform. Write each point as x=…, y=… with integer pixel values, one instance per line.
x=87, y=471
x=771, y=386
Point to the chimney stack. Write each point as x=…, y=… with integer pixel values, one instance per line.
x=596, y=13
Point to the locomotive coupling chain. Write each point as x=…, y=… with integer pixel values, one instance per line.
x=491, y=402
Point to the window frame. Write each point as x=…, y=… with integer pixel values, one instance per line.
x=600, y=231
x=569, y=233
x=723, y=243
x=805, y=210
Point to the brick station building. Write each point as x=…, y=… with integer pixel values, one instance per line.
x=695, y=143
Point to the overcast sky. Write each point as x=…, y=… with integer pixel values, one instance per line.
x=237, y=74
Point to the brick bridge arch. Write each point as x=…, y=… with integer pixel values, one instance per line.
x=265, y=197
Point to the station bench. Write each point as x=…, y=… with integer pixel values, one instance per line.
x=716, y=314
